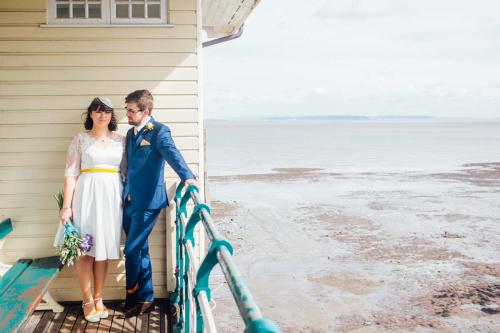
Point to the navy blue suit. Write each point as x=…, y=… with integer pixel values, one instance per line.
x=144, y=196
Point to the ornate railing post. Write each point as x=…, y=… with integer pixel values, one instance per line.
x=220, y=252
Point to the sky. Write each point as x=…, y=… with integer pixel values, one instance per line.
x=438, y=58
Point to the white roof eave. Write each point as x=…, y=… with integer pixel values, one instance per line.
x=225, y=17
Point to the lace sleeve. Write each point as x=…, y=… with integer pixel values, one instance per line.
x=123, y=164
x=73, y=158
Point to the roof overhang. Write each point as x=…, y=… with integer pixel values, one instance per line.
x=225, y=17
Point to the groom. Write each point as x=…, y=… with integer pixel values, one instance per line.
x=148, y=145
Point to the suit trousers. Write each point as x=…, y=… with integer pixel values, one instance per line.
x=138, y=225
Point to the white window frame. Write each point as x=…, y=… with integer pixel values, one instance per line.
x=161, y=20
x=108, y=18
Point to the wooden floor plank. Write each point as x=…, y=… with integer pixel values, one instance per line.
x=117, y=321
x=70, y=319
x=32, y=322
x=105, y=324
x=154, y=320
x=142, y=323
x=44, y=322
x=91, y=327
x=163, y=317
x=80, y=323
x=57, y=321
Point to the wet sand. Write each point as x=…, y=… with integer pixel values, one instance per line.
x=364, y=252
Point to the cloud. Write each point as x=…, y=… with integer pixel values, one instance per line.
x=368, y=56
x=353, y=10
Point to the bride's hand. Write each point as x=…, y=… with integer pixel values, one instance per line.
x=65, y=214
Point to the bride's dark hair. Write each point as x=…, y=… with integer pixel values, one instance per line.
x=98, y=104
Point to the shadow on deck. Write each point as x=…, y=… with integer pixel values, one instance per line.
x=71, y=320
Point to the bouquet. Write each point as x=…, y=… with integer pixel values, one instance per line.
x=73, y=245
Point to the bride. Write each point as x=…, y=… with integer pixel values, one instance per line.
x=92, y=199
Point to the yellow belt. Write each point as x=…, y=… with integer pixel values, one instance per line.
x=99, y=170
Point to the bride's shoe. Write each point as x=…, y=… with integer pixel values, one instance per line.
x=104, y=312
x=92, y=317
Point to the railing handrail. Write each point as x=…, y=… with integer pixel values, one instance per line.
x=219, y=253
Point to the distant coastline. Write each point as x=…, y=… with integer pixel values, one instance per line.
x=357, y=118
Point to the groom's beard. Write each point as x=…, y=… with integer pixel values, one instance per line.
x=134, y=123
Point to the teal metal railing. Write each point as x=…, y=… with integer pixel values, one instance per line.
x=192, y=293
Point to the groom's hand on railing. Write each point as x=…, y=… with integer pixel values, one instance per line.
x=188, y=182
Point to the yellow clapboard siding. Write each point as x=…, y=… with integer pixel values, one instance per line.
x=31, y=173
x=155, y=240
x=167, y=116
x=29, y=215
x=98, y=59
x=181, y=4
x=42, y=229
x=49, y=228
x=182, y=17
x=56, y=160
x=29, y=201
x=110, y=293
x=99, y=74
x=23, y=219
x=52, y=159
x=95, y=88
x=99, y=46
x=116, y=267
x=48, y=33
x=48, y=173
x=40, y=17
x=80, y=102
x=61, y=144
x=11, y=256
x=70, y=130
x=111, y=280
x=47, y=78
x=23, y=18
x=24, y=5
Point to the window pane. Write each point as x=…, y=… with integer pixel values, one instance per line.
x=62, y=11
x=122, y=11
x=138, y=11
x=154, y=11
x=94, y=11
x=78, y=10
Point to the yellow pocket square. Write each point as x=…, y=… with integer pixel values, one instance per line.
x=145, y=143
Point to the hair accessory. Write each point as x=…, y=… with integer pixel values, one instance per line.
x=105, y=101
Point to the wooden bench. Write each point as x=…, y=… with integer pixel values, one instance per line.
x=24, y=286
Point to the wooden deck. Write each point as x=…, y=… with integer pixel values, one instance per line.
x=71, y=320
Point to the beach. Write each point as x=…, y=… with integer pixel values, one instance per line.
x=364, y=247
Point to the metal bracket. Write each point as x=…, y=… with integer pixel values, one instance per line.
x=208, y=264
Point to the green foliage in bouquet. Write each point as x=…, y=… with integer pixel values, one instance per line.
x=73, y=246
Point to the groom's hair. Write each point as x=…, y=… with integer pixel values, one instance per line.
x=143, y=98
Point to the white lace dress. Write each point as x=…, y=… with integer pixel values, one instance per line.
x=97, y=203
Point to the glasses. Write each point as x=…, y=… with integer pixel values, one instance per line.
x=133, y=111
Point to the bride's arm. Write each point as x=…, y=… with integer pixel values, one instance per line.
x=71, y=174
x=69, y=188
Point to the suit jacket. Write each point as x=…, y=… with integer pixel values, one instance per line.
x=146, y=156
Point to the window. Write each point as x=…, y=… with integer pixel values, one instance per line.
x=137, y=11
x=115, y=12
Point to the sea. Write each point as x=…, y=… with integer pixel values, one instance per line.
x=359, y=226
x=244, y=147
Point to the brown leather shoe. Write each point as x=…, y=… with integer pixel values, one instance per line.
x=140, y=308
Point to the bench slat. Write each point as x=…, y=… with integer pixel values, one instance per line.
x=21, y=298
x=13, y=273
x=5, y=228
